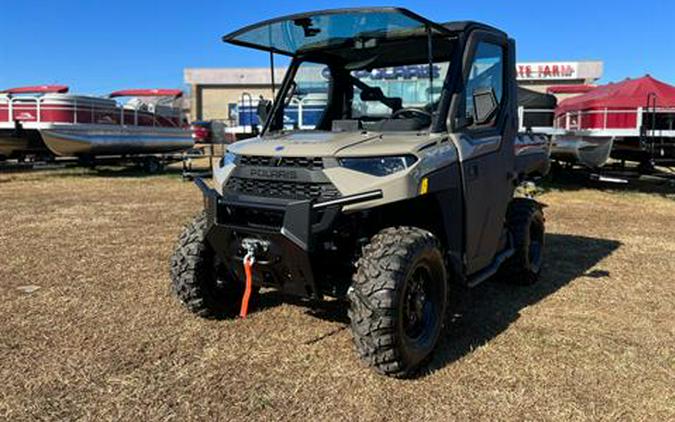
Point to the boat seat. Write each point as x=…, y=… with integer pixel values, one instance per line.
x=136, y=104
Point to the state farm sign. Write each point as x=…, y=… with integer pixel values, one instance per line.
x=543, y=71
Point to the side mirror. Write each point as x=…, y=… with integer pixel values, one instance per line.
x=485, y=105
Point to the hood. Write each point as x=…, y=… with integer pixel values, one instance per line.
x=301, y=144
x=392, y=143
x=328, y=144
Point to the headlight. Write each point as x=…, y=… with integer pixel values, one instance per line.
x=379, y=166
x=228, y=158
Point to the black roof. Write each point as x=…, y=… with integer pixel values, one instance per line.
x=463, y=26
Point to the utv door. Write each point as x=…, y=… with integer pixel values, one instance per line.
x=485, y=114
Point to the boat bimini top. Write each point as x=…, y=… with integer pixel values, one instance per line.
x=158, y=92
x=38, y=89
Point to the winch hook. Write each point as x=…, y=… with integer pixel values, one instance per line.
x=249, y=260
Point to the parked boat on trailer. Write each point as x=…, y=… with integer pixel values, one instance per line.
x=46, y=121
x=633, y=120
x=16, y=108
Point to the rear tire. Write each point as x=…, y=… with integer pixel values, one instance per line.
x=199, y=280
x=398, y=300
x=525, y=220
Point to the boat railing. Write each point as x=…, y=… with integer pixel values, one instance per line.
x=82, y=111
x=304, y=111
x=300, y=113
x=615, y=119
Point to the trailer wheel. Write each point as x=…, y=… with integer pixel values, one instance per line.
x=199, y=279
x=398, y=300
x=88, y=161
x=152, y=165
x=525, y=220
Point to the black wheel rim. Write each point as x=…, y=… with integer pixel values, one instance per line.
x=421, y=306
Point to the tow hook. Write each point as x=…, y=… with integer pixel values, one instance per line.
x=249, y=260
x=252, y=246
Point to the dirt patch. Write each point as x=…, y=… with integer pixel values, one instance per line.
x=89, y=329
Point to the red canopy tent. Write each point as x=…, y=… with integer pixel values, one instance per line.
x=615, y=105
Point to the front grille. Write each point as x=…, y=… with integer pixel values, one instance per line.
x=252, y=217
x=310, y=163
x=282, y=189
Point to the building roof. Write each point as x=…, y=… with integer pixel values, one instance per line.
x=232, y=76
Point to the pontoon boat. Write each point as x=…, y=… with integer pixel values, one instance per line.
x=45, y=120
x=632, y=120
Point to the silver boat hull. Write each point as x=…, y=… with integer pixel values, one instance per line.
x=125, y=141
x=10, y=145
x=590, y=151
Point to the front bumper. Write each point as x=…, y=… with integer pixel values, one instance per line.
x=291, y=228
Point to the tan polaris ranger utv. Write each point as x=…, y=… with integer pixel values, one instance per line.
x=384, y=174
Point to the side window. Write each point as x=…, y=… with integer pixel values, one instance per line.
x=487, y=72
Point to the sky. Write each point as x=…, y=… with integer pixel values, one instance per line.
x=97, y=47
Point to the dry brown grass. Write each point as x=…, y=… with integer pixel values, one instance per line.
x=103, y=339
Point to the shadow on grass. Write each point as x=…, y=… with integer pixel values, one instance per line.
x=572, y=179
x=484, y=312
x=492, y=306
x=328, y=310
x=65, y=169
x=131, y=171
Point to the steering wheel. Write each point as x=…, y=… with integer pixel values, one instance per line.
x=410, y=113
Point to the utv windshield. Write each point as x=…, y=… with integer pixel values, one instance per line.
x=320, y=30
x=395, y=87
x=394, y=98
